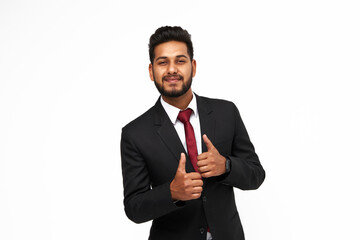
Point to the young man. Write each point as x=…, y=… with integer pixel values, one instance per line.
x=182, y=158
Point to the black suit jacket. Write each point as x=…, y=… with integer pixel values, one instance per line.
x=150, y=152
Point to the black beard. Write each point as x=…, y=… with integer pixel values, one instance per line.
x=174, y=93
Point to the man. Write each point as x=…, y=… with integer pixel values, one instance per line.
x=182, y=158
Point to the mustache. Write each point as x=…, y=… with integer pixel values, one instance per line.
x=178, y=76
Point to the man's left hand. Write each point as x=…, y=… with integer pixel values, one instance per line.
x=211, y=163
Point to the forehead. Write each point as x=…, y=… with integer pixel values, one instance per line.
x=171, y=49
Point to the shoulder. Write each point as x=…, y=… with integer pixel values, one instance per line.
x=140, y=123
x=216, y=104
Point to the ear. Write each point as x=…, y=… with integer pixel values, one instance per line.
x=151, y=72
x=193, y=64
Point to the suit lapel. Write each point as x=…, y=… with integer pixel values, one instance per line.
x=168, y=134
x=207, y=125
x=207, y=121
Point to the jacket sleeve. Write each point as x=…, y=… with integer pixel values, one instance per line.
x=142, y=202
x=246, y=171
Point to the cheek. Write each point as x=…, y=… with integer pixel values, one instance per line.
x=188, y=72
x=156, y=74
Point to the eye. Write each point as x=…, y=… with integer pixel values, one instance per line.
x=162, y=63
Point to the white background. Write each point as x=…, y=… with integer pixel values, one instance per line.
x=72, y=73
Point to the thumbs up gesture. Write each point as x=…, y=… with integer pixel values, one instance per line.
x=185, y=186
x=211, y=163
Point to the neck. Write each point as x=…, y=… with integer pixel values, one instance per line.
x=180, y=102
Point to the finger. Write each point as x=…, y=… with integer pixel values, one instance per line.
x=206, y=174
x=202, y=156
x=204, y=169
x=197, y=189
x=182, y=163
x=197, y=183
x=202, y=162
x=195, y=195
x=208, y=143
x=194, y=175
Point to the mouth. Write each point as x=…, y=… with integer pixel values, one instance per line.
x=172, y=78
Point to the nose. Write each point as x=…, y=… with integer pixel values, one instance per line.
x=172, y=68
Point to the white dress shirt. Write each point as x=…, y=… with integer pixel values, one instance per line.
x=173, y=113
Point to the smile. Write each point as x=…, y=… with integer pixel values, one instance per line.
x=172, y=79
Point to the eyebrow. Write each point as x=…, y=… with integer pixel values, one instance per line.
x=178, y=56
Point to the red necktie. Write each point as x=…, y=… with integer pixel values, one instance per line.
x=184, y=117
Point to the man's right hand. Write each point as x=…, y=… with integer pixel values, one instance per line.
x=185, y=186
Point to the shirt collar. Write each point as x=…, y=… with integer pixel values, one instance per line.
x=173, y=112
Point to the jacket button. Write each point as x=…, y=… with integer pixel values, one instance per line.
x=202, y=230
x=204, y=198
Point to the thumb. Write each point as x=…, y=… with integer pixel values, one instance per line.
x=208, y=143
x=182, y=162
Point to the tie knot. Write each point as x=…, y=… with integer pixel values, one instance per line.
x=184, y=116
